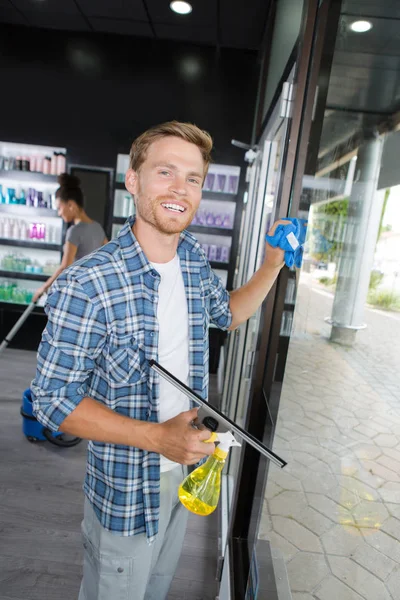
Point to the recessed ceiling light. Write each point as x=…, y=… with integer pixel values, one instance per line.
x=180, y=7
x=361, y=26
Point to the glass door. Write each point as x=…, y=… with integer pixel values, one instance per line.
x=261, y=210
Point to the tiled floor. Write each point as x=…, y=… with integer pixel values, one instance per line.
x=334, y=511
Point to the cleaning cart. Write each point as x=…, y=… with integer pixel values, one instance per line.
x=32, y=429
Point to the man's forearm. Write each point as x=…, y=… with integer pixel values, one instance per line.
x=245, y=301
x=94, y=421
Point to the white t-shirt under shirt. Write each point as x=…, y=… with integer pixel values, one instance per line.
x=173, y=342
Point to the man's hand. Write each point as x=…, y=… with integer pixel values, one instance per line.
x=275, y=257
x=179, y=441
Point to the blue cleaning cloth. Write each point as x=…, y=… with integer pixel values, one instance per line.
x=290, y=238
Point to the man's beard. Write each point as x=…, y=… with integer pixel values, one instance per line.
x=164, y=225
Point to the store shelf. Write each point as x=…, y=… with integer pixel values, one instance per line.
x=219, y=265
x=120, y=185
x=23, y=275
x=28, y=176
x=210, y=230
x=27, y=244
x=206, y=195
x=18, y=307
x=22, y=210
x=119, y=220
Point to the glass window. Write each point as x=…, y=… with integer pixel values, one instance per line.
x=334, y=512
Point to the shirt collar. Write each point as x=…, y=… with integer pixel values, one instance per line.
x=133, y=255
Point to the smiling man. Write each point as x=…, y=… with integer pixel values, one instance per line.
x=149, y=294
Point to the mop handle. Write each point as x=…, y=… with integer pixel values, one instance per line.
x=17, y=326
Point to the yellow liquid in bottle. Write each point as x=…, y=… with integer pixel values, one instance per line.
x=200, y=491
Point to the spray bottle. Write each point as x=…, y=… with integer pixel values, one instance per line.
x=199, y=491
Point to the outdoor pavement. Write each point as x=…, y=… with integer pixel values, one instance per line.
x=334, y=511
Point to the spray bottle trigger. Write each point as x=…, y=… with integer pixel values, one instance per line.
x=212, y=438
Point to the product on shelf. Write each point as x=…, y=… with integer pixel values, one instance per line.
x=11, y=292
x=209, y=219
x=26, y=197
x=216, y=253
x=17, y=229
x=22, y=264
x=222, y=179
x=54, y=164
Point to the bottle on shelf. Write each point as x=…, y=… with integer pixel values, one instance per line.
x=25, y=164
x=39, y=164
x=46, y=165
x=53, y=164
x=61, y=163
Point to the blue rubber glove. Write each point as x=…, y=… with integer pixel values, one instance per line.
x=290, y=238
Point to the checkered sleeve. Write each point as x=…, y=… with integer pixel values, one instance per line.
x=74, y=336
x=220, y=313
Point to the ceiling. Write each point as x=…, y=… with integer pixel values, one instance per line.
x=364, y=86
x=223, y=23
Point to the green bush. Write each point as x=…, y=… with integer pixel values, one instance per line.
x=384, y=299
x=375, y=279
x=328, y=280
x=324, y=280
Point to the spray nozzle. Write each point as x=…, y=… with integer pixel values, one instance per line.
x=226, y=440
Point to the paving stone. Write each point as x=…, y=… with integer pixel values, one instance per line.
x=306, y=571
x=390, y=492
x=393, y=583
x=321, y=419
x=358, y=578
x=296, y=534
x=369, y=479
x=366, y=431
x=392, y=527
x=330, y=509
x=333, y=589
x=394, y=509
x=390, y=441
x=345, y=497
x=319, y=482
x=272, y=489
x=346, y=466
x=383, y=543
x=277, y=541
x=374, y=561
x=341, y=540
x=389, y=463
x=288, y=504
x=285, y=480
x=314, y=521
x=305, y=458
x=368, y=452
x=370, y=514
x=372, y=424
x=287, y=435
x=361, y=489
x=381, y=471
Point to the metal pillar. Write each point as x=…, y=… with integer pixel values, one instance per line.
x=365, y=207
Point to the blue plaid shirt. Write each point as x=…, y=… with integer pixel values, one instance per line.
x=101, y=332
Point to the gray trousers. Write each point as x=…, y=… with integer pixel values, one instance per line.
x=128, y=568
